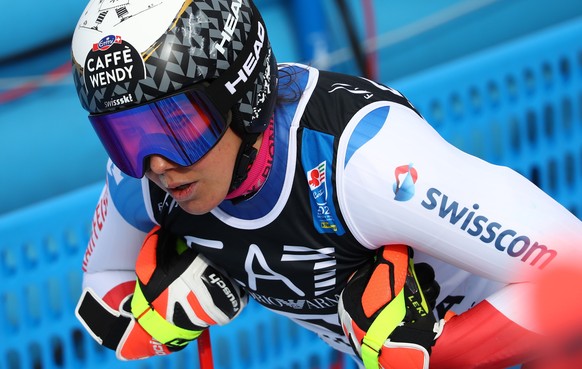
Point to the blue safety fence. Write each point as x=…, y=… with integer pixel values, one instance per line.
x=517, y=105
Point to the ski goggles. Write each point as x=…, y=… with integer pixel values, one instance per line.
x=181, y=127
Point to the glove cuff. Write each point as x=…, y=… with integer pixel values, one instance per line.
x=156, y=325
x=404, y=355
x=382, y=327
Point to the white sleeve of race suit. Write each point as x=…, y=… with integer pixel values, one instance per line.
x=398, y=181
x=119, y=226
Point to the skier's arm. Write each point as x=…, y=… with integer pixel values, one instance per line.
x=405, y=184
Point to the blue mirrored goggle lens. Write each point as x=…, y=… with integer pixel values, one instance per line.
x=182, y=128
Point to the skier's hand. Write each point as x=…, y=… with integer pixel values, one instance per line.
x=386, y=311
x=179, y=292
x=116, y=328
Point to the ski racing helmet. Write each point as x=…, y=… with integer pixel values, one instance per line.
x=168, y=77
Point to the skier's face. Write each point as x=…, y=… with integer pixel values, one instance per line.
x=200, y=187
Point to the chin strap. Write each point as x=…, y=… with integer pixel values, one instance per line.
x=245, y=158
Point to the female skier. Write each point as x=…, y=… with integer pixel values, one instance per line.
x=324, y=197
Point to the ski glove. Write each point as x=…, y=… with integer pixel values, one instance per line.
x=386, y=311
x=178, y=294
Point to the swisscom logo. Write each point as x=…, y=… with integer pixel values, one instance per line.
x=470, y=220
x=404, y=187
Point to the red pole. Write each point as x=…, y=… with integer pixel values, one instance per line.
x=205, y=350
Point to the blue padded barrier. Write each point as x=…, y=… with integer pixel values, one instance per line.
x=517, y=105
x=40, y=251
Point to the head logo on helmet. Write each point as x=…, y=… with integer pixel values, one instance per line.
x=131, y=52
x=230, y=26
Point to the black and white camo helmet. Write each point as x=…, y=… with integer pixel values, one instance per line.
x=128, y=53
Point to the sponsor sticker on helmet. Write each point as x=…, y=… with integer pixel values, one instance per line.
x=112, y=61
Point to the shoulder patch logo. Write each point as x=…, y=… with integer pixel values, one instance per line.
x=316, y=156
x=316, y=180
x=324, y=212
